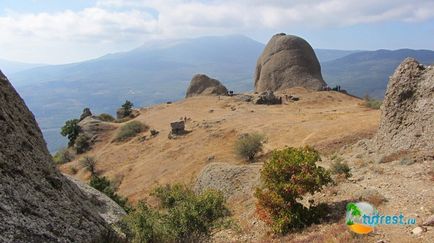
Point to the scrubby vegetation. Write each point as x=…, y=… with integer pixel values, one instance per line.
x=71, y=129
x=340, y=167
x=248, y=145
x=63, y=156
x=89, y=163
x=104, y=185
x=286, y=177
x=182, y=216
x=82, y=144
x=106, y=117
x=372, y=103
x=129, y=130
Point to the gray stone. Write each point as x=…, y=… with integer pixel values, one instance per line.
x=267, y=98
x=407, y=115
x=37, y=203
x=288, y=61
x=86, y=113
x=204, y=85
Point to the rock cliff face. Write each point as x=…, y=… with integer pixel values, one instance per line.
x=407, y=119
x=204, y=85
x=288, y=61
x=37, y=203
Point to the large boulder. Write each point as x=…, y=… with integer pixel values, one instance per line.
x=37, y=203
x=204, y=85
x=407, y=119
x=288, y=61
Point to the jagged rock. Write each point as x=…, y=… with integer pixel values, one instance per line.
x=408, y=113
x=288, y=61
x=121, y=114
x=37, y=203
x=93, y=128
x=86, y=113
x=232, y=180
x=267, y=98
x=204, y=85
x=429, y=221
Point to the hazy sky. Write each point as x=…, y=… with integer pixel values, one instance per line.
x=60, y=31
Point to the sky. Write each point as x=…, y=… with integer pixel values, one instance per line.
x=55, y=32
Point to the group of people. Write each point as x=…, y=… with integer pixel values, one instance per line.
x=336, y=88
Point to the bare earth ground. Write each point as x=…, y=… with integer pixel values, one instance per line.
x=330, y=121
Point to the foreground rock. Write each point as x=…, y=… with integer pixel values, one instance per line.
x=408, y=113
x=204, y=85
x=37, y=203
x=288, y=61
x=109, y=210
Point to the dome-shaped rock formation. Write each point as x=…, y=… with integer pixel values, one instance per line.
x=288, y=61
x=407, y=119
x=37, y=203
x=204, y=85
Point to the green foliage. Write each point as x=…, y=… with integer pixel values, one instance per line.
x=340, y=168
x=127, y=106
x=106, y=117
x=82, y=144
x=286, y=177
x=183, y=216
x=104, y=185
x=71, y=129
x=372, y=103
x=89, y=163
x=129, y=130
x=248, y=145
x=63, y=156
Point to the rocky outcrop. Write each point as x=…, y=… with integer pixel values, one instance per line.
x=288, y=61
x=234, y=181
x=407, y=119
x=37, y=203
x=86, y=113
x=204, y=85
x=267, y=98
x=94, y=128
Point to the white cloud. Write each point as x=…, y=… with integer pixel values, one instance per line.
x=118, y=23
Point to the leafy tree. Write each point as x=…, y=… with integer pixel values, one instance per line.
x=71, y=129
x=286, y=177
x=127, y=106
x=89, y=163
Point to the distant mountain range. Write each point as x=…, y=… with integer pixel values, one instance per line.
x=10, y=67
x=161, y=72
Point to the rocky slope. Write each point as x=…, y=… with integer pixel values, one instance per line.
x=288, y=61
x=37, y=203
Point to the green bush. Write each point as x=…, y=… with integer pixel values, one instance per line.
x=183, y=216
x=372, y=103
x=71, y=129
x=63, y=156
x=105, y=186
x=89, y=163
x=286, y=177
x=129, y=130
x=248, y=145
x=82, y=144
x=340, y=168
x=106, y=117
